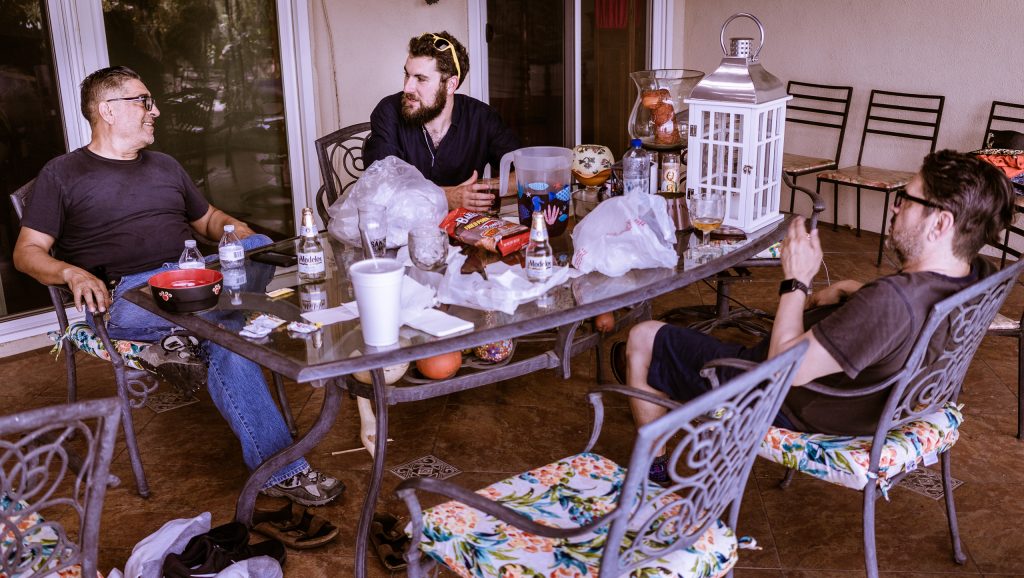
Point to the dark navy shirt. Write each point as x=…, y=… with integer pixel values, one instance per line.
x=476, y=138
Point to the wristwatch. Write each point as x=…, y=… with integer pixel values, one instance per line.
x=790, y=285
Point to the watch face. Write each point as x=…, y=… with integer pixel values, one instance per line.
x=790, y=285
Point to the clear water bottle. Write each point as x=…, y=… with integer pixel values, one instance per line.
x=191, y=258
x=540, y=261
x=232, y=255
x=636, y=169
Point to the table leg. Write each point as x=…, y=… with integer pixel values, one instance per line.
x=377, y=474
x=328, y=412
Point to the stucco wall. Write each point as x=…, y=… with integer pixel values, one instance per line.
x=360, y=48
x=967, y=50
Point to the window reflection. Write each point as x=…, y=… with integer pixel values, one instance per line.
x=31, y=133
x=214, y=68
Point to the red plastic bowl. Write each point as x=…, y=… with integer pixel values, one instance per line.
x=186, y=290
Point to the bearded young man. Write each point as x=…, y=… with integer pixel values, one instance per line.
x=449, y=137
x=859, y=334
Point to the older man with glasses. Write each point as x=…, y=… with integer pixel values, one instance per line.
x=859, y=333
x=115, y=214
x=449, y=137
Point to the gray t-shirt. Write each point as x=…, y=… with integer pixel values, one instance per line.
x=113, y=218
x=871, y=337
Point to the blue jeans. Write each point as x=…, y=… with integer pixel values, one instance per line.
x=236, y=385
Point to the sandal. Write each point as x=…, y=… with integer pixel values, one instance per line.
x=295, y=526
x=389, y=541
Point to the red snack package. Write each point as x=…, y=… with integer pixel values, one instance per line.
x=489, y=233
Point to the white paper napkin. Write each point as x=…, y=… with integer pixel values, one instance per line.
x=343, y=312
x=437, y=323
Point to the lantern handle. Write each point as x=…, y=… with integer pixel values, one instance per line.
x=760, y=30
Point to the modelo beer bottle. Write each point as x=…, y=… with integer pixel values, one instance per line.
x=311, y=253
x=539, y=256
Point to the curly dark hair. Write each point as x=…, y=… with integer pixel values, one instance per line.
x=99, y=83
x=979, y=196
x=427, y=44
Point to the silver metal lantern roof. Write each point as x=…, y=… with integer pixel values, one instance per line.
x=740, y=77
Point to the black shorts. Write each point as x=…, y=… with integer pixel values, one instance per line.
x=680, y=353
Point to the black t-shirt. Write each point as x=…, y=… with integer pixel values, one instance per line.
x=476, y=138
x=871, y=337
x=113, y=217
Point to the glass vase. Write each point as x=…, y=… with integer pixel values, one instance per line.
x=659, y=116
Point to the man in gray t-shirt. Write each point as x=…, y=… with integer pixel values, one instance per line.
x=858, y=334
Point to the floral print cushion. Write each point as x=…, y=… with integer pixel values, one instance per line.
x=84, y=338
x=843, y=460
x=38, y=542
x=564, y=494
x=868, y=177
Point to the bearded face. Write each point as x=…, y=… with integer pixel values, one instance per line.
x=418, y=110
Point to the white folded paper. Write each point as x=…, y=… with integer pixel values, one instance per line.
x=343, y=312
x=436, y=323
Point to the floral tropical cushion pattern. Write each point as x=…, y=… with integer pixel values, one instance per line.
x=843, y=460
x=38, y=542
x=563, y=494
x=84, y=338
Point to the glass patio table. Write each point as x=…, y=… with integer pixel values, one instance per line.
x=335, y=351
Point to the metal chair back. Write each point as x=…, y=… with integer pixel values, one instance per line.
x=902, y=115
x=719, y=433
x=954, y=329
x=341, y=163
x=1003, y=116
x=820, y=105
x=37, y=477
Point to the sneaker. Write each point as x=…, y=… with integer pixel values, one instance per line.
x=177, y=360
x=659, y=471
x=308, y=488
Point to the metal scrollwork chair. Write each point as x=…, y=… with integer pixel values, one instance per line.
x=891, y=115
x=341, y=163
x=37, y=477
x=921, y=418
x=134, y=382
x=587, y=514
x=824, y=107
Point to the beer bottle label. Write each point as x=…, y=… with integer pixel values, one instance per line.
x=311, y=262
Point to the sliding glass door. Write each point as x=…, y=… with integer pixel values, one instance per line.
x=31, y=133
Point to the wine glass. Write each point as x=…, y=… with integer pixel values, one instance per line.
x=591, y=166
x=428, y=248
x=707, y=211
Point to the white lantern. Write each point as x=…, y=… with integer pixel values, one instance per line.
x=737, y=123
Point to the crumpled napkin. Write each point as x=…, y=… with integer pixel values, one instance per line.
x=504, y=290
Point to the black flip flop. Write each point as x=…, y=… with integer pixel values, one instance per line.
x=389, y=541
x=295, y=526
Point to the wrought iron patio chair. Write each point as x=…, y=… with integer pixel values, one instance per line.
x=824, y=107
x=37, y=479
x=341, y=163
x=586, y=511
x=134, y=383
x=890, y=115
x=920, y=420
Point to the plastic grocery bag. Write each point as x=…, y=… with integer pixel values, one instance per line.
x=411, y=201
x=624, y=233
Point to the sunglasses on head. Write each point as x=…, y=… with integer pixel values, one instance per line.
x=146, y=100
x=442, y=44
x=905, y=196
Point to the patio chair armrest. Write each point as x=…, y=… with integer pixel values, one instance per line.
x=817, y=205
x=408, y=488
x=595, y=397
x=838, y=392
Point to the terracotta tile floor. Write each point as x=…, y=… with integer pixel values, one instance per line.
x=811, y=530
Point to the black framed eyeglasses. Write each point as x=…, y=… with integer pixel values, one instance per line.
x=905, y=196
x=146, y=100
x=442, y=44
